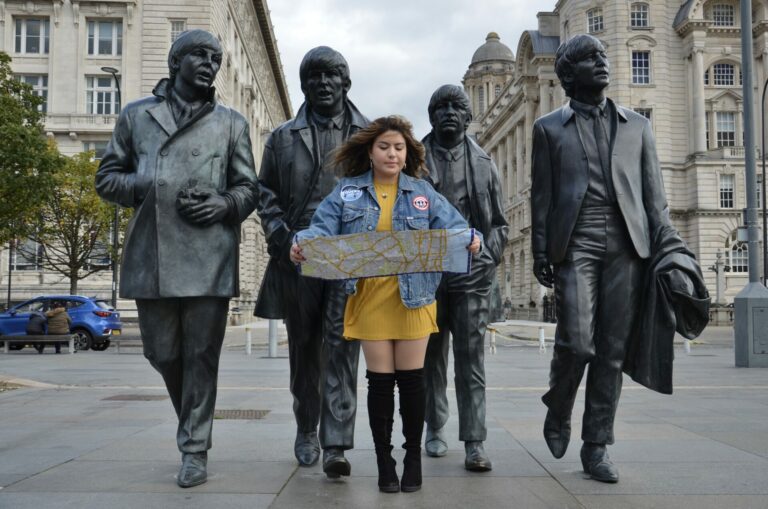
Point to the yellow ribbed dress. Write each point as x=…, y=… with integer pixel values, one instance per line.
x=376, y=311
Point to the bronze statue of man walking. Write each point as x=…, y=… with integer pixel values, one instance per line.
x=597, y=201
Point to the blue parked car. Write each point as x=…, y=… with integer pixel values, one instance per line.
x=93, y=320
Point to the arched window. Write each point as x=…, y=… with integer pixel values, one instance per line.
x=738, y=253
x=595, y=20
x=639, y=16
x=723, y=75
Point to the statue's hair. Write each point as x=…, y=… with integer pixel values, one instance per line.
x=451, y=93
x=569, y=54
x=353, y=158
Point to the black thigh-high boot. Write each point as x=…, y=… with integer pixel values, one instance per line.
x=381, y=409
x=410, y=384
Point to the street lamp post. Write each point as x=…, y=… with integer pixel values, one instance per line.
x=751, y=303
x=762, y=188
x=116, y=220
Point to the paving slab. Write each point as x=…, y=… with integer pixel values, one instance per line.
x=312, y=490
x=157, y=477
x=672, y=501
x=683, y=478
x=58, y=500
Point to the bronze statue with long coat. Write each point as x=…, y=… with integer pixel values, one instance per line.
x=296, y=174
x=184, y=163
x=462, y=172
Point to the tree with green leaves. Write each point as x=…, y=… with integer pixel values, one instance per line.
x=74, y=225
x=27, y=159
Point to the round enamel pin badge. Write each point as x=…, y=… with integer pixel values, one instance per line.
x=421, y=203
x=351, y=193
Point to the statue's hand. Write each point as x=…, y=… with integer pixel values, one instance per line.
x=212, y=209
x=542, y=270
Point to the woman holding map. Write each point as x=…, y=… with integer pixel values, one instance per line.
x=393, y=316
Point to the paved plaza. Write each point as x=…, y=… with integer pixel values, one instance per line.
x=96, y=430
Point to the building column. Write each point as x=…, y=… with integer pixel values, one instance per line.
x=507, y=274
x=519, y=148
x=545, y=104
x=530, y=114
x=509, y=184
x=712, y=126
x=740, y=124
x=699, y=122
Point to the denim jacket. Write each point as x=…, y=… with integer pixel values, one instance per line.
x=352, y=208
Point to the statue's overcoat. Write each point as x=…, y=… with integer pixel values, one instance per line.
x=164, y=255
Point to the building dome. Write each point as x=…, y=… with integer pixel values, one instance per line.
x=493, y=49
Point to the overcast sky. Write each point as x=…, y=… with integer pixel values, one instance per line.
x=399, y=51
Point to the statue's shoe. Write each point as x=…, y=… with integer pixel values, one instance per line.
x=557, y=434
x=434, y=443
x=306, y=448
x=596, y=463
x=193, y=470
x=335, y=464
x=476, y=459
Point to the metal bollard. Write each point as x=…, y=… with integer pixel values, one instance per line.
x=542, y=344
x=272, y=339
x=687, y=346
x=248, y=341
x=71, y=344
x=492, y=346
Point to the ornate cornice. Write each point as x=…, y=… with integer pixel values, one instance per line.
x=270, y=42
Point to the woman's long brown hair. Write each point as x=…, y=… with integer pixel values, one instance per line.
x=352, y=157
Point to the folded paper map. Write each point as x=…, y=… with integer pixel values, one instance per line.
x=386, y=253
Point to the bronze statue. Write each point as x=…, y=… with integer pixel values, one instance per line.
x=597, y=203
x=467, y=177
x=297, y=172
x=185, y=164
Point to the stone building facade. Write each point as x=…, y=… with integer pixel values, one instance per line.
x=677, y=63
x=60, y=47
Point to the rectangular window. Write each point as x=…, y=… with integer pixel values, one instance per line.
x=726, y=190
x=105, y=38
x=39, y=83
x=101, y=96
x=98, y=147
x=726, y=128
x=27, y=255
x=595, y=20
x=32, y=36
x=646, y=112
x=706, y=130
x=638, y=16
x=641, y=67
x=723, y=15
x=177, y=27
x=100, y=256
x=723, y=75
